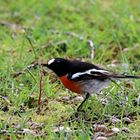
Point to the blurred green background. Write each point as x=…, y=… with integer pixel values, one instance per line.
x=37, y=30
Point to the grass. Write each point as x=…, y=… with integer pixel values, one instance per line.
x=33, y=31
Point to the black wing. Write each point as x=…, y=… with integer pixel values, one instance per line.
x=89, y=74
x=98, y=74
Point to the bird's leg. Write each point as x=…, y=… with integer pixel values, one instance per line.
x=76, y=114
x=80, y=106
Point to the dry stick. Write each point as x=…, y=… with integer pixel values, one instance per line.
x=40, y=91
x=92, y=48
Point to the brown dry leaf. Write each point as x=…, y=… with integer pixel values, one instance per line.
x=111, y=132
x=114, y=120
x=101, y=138
x=78, y=98
x=100, y=128
x=127, y=120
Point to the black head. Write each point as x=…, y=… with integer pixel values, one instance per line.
x=58, y=65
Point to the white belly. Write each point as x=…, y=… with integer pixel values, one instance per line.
x=93, y=86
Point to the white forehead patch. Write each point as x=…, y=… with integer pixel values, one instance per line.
x=51, y=61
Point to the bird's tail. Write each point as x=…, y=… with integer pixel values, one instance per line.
x=125, y=76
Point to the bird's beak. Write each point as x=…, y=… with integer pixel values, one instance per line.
x=44, y=64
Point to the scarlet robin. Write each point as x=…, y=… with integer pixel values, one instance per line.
x=82, y=77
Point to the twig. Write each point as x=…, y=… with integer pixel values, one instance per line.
x=90, y=43
x=40, y=91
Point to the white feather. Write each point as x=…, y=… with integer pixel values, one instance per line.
x=51, y=61
x=78, y=74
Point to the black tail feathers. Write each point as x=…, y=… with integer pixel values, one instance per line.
x=125, y=76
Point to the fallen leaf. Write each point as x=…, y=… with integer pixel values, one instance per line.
x=115, y=130
x=127, y=120
x=101, y=138
x=114, y=120
x=112, y=132
x=78, y=98
x=109, y=133
x=100, y=128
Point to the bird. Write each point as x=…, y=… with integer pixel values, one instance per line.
x=83, y=78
